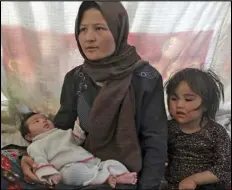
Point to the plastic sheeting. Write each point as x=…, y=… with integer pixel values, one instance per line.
x=38, y=46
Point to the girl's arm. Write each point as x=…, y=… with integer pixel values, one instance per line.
x=221, y=171
x=203, y=178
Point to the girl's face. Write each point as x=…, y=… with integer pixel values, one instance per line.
x=185, y=106
x=95, y=37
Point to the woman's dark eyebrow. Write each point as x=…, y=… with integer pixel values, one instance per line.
x=102, y=24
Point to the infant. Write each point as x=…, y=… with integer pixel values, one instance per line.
x=60, y=158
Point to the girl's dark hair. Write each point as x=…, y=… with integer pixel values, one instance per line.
x=84, y=7
x=204, y=83
x=24, y=127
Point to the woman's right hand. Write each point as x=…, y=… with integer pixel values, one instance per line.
x=27, y=165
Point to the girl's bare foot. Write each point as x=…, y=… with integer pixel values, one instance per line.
x=112, y=181
x=127, y=178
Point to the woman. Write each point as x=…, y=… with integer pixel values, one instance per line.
x=118, y=97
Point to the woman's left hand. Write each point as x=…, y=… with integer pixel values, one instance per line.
x=187, y=184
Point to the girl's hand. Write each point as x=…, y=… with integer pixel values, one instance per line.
x=187, y=184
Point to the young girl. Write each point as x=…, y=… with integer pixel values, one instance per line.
x=198, y=147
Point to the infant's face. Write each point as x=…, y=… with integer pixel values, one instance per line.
x=38, y=124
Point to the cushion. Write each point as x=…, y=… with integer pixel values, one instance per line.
x=11, y=135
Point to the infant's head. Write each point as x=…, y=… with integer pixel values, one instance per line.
x=35, y=124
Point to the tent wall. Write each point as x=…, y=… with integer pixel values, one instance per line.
x=38, y=46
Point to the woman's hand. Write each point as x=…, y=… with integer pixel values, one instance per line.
x=27, y=165
x=187, y=184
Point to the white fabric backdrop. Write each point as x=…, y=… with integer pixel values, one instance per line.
x=38, y=46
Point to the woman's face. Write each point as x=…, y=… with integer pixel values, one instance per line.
x=95, y=37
